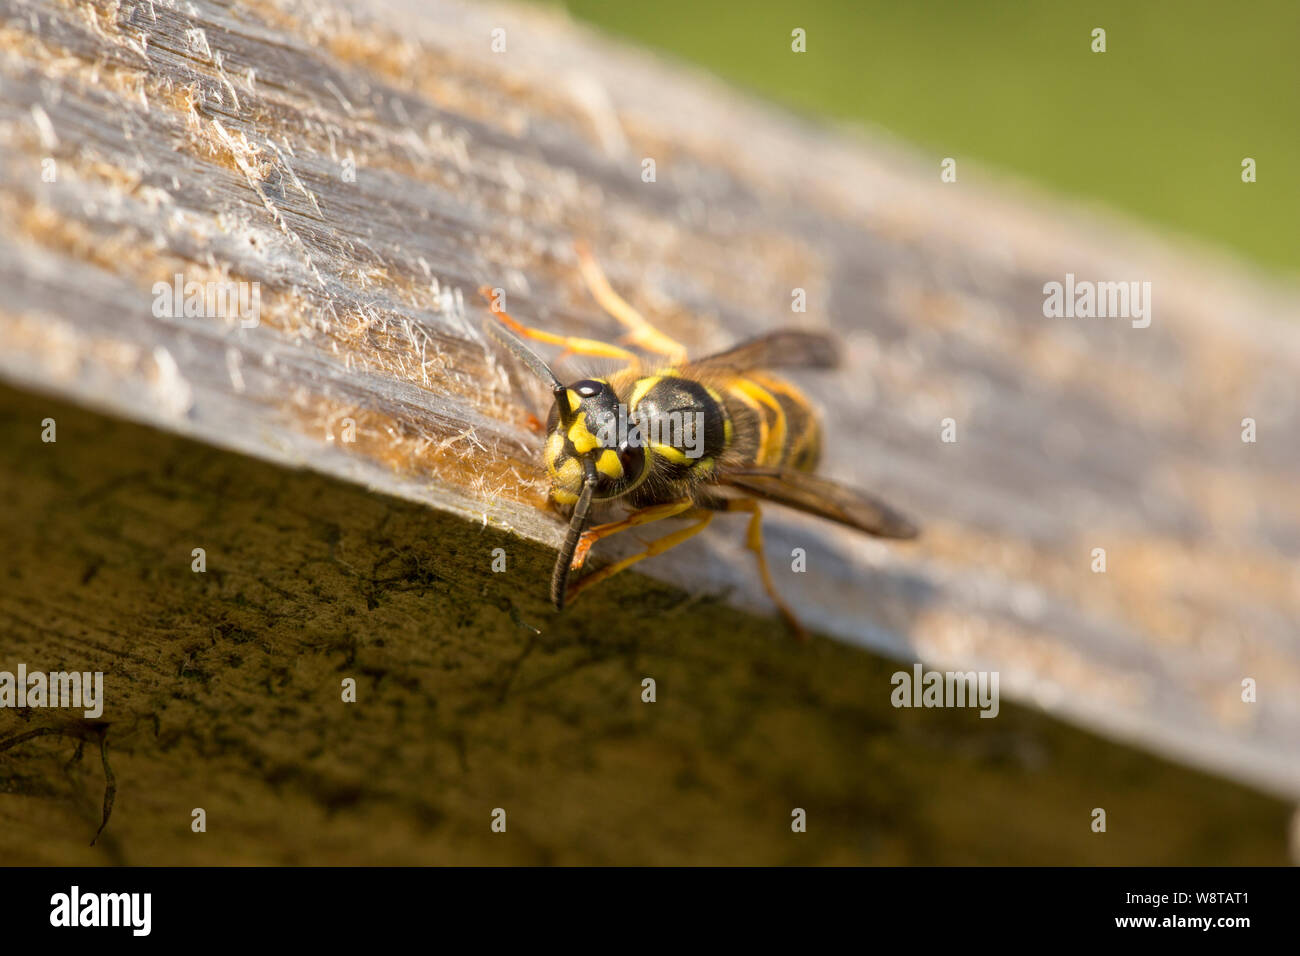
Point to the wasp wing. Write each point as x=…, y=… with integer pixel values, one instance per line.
x=819, y=496
x=784, y=348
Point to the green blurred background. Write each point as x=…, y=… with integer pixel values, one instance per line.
x=1156, y=126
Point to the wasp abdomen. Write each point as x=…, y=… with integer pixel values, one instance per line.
x=775, y=424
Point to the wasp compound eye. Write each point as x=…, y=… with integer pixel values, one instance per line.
x=632, y=458
x=620, y=468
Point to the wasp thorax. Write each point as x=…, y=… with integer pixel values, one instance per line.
x=598, y=429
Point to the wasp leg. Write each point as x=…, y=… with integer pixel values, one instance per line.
x=754, y=542
x=633, y=520
x=571, y=343
x=641, y=332
x=658, y=546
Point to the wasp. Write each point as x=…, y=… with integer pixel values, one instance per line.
x=683, y=438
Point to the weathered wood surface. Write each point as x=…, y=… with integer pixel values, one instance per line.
x=212, y=140
x=223, y=692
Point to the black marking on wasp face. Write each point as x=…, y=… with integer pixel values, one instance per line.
x=598, y=429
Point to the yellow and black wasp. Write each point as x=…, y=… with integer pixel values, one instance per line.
x=684, y=439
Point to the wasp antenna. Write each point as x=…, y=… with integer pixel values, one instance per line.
x=533, y=361
x=577, y=525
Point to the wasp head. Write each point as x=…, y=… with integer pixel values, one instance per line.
x=592, y=434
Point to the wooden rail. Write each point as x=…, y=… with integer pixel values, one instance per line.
x=369, y=164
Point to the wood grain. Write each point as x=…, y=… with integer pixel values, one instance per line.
x=224, y=692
